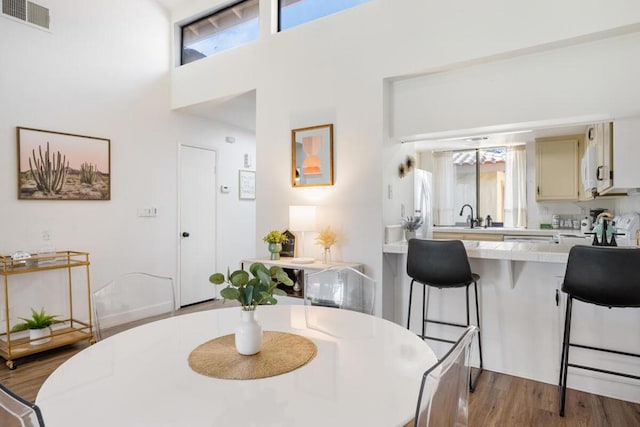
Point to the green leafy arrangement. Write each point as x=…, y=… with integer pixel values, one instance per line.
x=253, y=291
x=38, y=320
x=275, y=236
x=412, y=223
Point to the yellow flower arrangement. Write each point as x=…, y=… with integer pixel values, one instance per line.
x=326, y=238
x=275, y=236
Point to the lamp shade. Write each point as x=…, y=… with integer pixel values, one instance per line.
x=302, y=218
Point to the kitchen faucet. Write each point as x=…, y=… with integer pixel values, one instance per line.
x=472, y=218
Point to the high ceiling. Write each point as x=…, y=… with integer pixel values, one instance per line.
x=171, y=4
x=238, y=110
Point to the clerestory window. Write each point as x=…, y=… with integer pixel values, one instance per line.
x=224, y=29
x=292, y=13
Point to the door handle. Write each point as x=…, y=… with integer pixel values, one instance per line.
x=185, y=234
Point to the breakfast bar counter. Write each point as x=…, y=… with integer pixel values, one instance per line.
x=510, y=251
x=522, y=313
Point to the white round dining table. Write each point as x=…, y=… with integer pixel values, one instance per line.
x=367, y=372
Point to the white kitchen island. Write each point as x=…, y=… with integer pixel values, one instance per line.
x=522, y=315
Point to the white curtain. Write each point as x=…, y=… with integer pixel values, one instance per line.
x=444, y=188
x=515, y=187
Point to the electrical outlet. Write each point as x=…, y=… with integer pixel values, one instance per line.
x=46, y=235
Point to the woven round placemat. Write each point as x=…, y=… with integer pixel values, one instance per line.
x=281, y=352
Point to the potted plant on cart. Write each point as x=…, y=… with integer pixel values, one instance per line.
x=275, y=239
x=251, y=292
x=39, y=326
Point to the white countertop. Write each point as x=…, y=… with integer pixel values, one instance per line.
x=506, y=230
x=511, y=251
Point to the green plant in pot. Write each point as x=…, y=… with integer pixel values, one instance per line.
x=251, y=292
x=39, y=326
x=275, y=239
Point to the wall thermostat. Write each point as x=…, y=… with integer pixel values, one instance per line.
x=224, y=188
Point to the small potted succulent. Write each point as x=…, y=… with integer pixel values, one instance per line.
x=39, y=326
x=251, y=292
x=275, y=239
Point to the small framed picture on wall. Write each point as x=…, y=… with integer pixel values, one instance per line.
x=247, y=185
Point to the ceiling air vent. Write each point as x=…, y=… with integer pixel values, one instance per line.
x=27, y=11
x=38, y=15
x=15, y=8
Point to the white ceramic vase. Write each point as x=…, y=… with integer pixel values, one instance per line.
x=36, y=336
x=408, y=235
x=248, y=333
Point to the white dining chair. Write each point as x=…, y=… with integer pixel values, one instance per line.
x=130, y=300
x=340, y=287
x=444, y=392
x=18, y=412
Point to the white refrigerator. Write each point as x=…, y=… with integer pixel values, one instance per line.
x=423, y=201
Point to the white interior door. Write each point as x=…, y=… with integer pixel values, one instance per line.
x=197, y=224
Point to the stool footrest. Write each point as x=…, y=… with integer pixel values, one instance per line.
x=439, y=322
x=604, y=371
x=624, y=353
x=426, y=337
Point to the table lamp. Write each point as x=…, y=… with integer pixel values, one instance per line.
x=302, y=218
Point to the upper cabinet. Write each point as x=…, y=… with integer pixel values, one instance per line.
x=557, y=169
x=618, y=170
x=597, y=159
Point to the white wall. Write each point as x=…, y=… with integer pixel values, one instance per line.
x=333, y=70
x=104, y=71
x=576, y=83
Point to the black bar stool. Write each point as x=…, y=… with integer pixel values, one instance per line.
x=603, y=276
x=442, y=264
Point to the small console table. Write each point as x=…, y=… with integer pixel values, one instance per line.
x=299, y=270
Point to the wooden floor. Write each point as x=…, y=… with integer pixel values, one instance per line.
x=499, y=400
x=503, y=400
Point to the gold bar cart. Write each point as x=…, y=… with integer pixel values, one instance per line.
x=73, y=330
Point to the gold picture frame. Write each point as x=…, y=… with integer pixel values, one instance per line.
x=312, y=156
x=62, y=166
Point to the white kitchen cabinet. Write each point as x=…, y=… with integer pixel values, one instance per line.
x=586, y=195
x=600, y=136
x=557, y=168
x=624, y=146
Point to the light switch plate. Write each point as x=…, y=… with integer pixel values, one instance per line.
x=148, y=212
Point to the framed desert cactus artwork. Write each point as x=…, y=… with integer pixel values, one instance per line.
x=62, y=166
